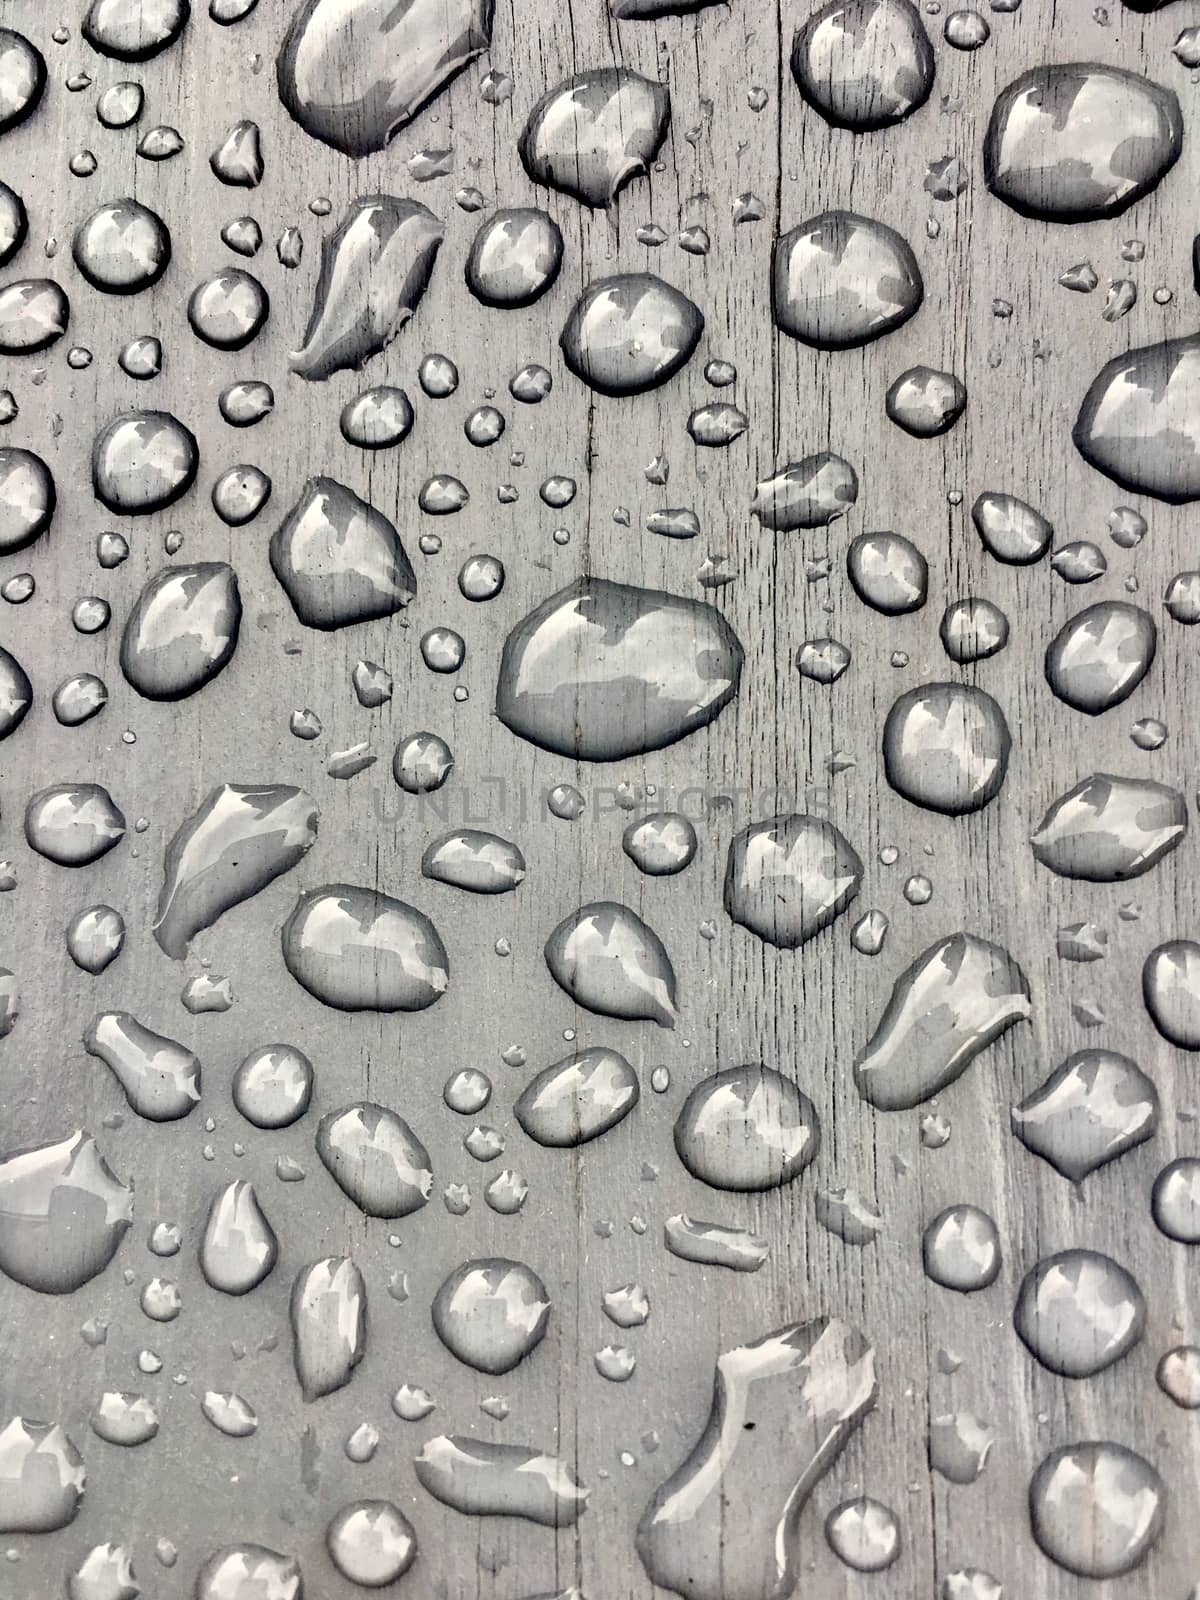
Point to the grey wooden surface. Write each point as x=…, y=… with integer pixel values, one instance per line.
x=806, y=1012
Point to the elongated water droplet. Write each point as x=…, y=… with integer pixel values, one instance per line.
x=1107, y=829
x=714, y=1244
x=810, y=493
x=578, y=1098
x=607, y=959
x=329, y=1324
x=376, y=1159
x=134, y=30
x=359, y=950
x=501, y=1480
x=1011, y=531
x=160, y=1077
x=481, y=863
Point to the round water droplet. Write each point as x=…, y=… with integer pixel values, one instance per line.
x=95, y=938
x=864, y=1534
x=122, y=247
x=273, y=1086
x=1078, y=1312
x=143, y=461
x=888, y=573
x=481, y=577
x=746, y=1128
x=1096, y=1508
x=514, y=258
x=491, y=1313
x=863, y=64
x=961, y=1249
x=371, y=1543
x=229, y=309
x=841, y=280
x=946, y=747
x=27, y=499
x=630, y=333
x=377, y=418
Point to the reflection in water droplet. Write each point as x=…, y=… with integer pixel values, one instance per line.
x=16, y=693
x=724, y=1525
x=864, y=1534
x=789, y=877
x=239, y=1248
x=1098, y=658
x=607, y=959
x=578, y=1098
x=42, y=1475
x=248, y=1572
x=955, y=999
x=62, y=1214
x=376, y=1159
x=339, y=560
x=371, y=1543
x=840, y=280
x=1091, y=1109
x=22, y=78
x=14, y=221
x=27, y=499
x=1171, y=991
x=810, y=493
x=747, y=1128
x=182, y=630
x=713, y=1244
x=160, y=1077
x=124, y=1419
x=229, y=309
x=34, y=313
x=515, y=257
x=422, y=763
x=229, y=1414
x=360, y=950
x=1011, y=531
x=95, y=938
x=491, y=1313
x=1080, y=141
x=591, y=134
x=946, y=747
x=602, y=670
x=374, y=271
x=960, y=1249
x=1078, y=1312
x=630, y=333
x=377, y=418
x=329, y=1324
x=888, y=572
x=1107, y=829
x=503, y=1480
x=73, y=824
x=240, y=493
x=122, y=247
x=134, y=30
x=925, y=402
x=143, y=461
x=1138, y=421
x=660, y=844
x=273, y=1086
x=353, y=72
x=1096, y=1508
x=244, y=404
x=973, y=630
x=864, y=64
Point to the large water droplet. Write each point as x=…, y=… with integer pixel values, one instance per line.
x=747, y=1128
x=946, y=747
x=481, y=863
x=329, y=1324
x=361, y=950
x=160, y=1077
x=1175, y=1200
x=578, y=1098
x=273, y=1086
x=376, y=1159
x=249, y=1572
x=34, y=313
x=789, y=877
x=607, y=959
x=840, y=280
x=810, y=493
x=925, y=402
x=143, y=461
x=124, y=1419
x=122, y=247
x=73, y=824
x=27, y=498
x=629, y=333
x=1079, y=141
x=22, y=78
x=134, y=30
x=1138, y=421
x=956, y=998
x=1107, y=829
x=377, y=418
x=864, y=64
x=374, y=271
x=354, y=72
x=371, y=1543
x=960, y=1249
x=501, y=1480
x=1011, y=531
x=239, y=1248
x=602, y=670
x=724, y=1525
x=491, y=1313
x=1171, y=990
x=1078, y=1312
x=182, y=631
x=14, y=220
x=339, y=560
x=1099, y=657
x=1096, y=1508
x=16, y=693
x=1092, y=1108
x=62, y=1214
x=593, y=133
x=42, y=1477
x=238, y=840
x=514, y=257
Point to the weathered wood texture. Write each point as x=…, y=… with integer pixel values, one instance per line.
x=806, y=1013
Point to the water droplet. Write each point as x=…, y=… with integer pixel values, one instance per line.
x=376, y=1159
x=630, y=333
x=1011, y=531
x=863, y=1534
x=360, y=950
x=810, y=493
x=160, y=1077
x=1099, y=657
x=62, y=1214
x=182, y=630
x=73, y=824
x=591, y=134
x=946, y=747
x=42, y=1475
x=1096, y=1508
x=22, y=78
x=329, y=1324
x=578, y=1098
x=660, y=844
x=1078, y=1312
x=371, y=1543
x=840, y=280
x=504, y=1480
x=27, y=497
x=339, y=560
x=925, y=402
x=244, y=404
x=491, y=1314
x=960, y=1249
x=377, y=418
x=133, y=30
x=143, y=461
x=609, y=961
x=422, y=763
x=789, y=877
x=246, y=1572
x=959, y=1445
x=124, y=1419
x=1107, y=829
x=864, y=64
x=1092, y=1108
x=1137, y=421
x=746, y=1128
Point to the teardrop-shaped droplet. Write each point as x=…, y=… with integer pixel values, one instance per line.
x=481, y=863
x=810, y=493
x=230, y=1414
x=160, y=1077
x=1096, y=1508
x=1099, y=657
x=1078, y=1312
x=239, y=1248
x=79, y=698
x=34, y=313
x=237, y=841
x=1139, y=423
x=122, y=247
x=747, y=1128
x=371, y=1543
x=134, y=30
x=62, y=1214
x=602, y=670
x=375, y=1158
x=1107, y=829
x=143, y=461
x=946, y=747
x=630, y=333
x=182, y=631
x=1074, y=142
x=237, y=160
x=591, y=134
x=42, y=1475
x=607, y=959
x=1092, y=1108
x=578, y=1098
x=354, y=72
x=27, y=498
x=789, y=877
x=956, y=998
x=339, y=560
x=249, y=1572
x=840, y=280
x=1011, y=531
x=360, y=950
x=864, y=64
x=329, y=1324
x=73, y=824
x=374, y=271
x=491, y=1313
x=515, y=257
x=501, y=1480
x=22, y=78
x=725, y=1525
x=1171, y=991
